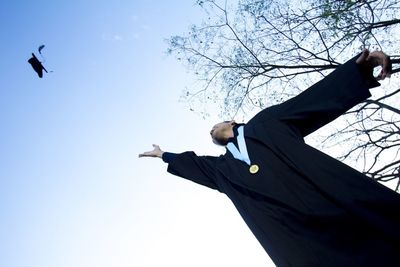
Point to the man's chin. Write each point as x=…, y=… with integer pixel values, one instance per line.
x=216, y=142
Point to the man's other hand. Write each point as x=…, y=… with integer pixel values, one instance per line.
x=370, y=60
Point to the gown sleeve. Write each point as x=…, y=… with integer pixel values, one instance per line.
x=167, y=157
x=199, y=169
x=345, y=87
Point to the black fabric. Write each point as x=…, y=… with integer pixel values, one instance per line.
x=304, y=207
x=36, y=65
x=167, y=157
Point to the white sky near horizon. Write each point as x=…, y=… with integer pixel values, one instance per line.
x=72, y=190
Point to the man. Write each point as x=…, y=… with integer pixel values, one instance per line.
x=304, y=207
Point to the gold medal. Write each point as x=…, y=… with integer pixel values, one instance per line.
x=254, y=169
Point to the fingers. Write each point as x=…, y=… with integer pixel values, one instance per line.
x=363, y=57
x=381, y=59
x=152, y=153
x=147, y=154
x=386, y=67
x=374, y=59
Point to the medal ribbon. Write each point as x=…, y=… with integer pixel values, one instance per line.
x=241, y=153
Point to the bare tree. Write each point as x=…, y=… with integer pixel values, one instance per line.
x=251, y=54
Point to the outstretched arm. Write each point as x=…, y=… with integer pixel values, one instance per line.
x=326, y=100
x=199, y=169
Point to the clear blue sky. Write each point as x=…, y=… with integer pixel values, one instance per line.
x=72, y=190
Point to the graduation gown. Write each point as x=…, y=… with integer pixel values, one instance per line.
x=305, y=207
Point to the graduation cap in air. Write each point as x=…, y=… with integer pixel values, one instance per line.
x=36, y=64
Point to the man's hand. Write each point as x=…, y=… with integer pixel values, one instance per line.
x=155, y=153
x=374, y=59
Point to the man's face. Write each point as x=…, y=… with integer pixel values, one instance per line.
x=218, y=131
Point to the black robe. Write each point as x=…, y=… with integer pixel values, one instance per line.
x=305, y=207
